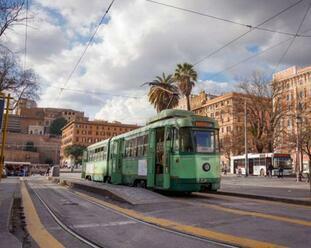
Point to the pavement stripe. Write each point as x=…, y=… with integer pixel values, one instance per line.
x=206, y=195
x=172, y=225
x=34, y=225
x=256, y=214
x=117, y=223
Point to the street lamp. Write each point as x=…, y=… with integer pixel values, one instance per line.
x=245, y=140
x=298, y=122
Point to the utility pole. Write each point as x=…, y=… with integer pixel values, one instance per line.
x=4, y=130
x=245, y=139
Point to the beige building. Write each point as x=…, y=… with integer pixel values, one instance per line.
x=31, y=124
x=195, y=100
x=294, y=85
x=227, y=109
x=85, y=133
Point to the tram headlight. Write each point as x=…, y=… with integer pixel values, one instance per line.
x=206, y=166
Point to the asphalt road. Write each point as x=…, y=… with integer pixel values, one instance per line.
x=102, y=226
x=269, y=222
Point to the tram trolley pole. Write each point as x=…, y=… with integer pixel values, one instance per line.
x=4, y=126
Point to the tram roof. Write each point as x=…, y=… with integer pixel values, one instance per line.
x=170, y=113
x=165, y=117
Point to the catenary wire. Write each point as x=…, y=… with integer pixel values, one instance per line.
x=94, y=92
x=26, y=36
x=253, y=56
x=293, y=39
x=245, y=33
x=224, y=19
x=85, y=49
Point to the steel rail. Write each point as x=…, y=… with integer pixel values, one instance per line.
x=179, y=233
x=64, y=226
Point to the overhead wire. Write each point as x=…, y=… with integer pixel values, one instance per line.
x=244, y=34
x=223, y=19
x=293, y=39
x=26, y=36
x=253, y=56
x=85, y=49
x=94, y=92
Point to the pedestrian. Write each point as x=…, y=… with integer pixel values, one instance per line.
x=280, y=171
x=239, y=172
x=270, y=169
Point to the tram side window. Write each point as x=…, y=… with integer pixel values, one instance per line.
x=135, y=147
x=186, y=144
x=140, y=146
x=142, y=143
x=127, y=149
x=145, y=146
x=175, y=140
x=105, y=152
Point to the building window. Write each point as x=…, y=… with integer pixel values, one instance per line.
x=300, y=94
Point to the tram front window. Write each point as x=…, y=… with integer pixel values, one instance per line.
x=202, y=141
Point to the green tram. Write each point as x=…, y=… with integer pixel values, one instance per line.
x=175, y=151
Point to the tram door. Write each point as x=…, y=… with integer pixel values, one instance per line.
x=162, y=151
x=116, y=161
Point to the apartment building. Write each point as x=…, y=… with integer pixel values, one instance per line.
x=85, y=133
x=294, y=95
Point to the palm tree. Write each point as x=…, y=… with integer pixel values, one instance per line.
x=186, y=76
x=163, y=94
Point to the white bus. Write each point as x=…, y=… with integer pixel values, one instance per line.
x=259, y=163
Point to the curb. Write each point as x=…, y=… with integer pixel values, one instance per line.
x=90, y=188
x=268, y=198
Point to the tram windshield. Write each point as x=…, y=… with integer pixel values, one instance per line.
x=202, y=141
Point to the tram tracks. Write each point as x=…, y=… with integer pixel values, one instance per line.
x=90, y=243
x=179, y=233
x=63, y=225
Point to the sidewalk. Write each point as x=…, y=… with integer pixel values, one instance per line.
x=278, y=189
x=8, y=187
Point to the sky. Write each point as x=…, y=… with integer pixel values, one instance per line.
x=139, y=39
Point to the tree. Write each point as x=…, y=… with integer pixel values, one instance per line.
x=10, y=14
x=264, y=111
x=76, y=151
x=57, y=125
x=20, y=83
x=163, y=94
x=30, y=147
x=186, y=76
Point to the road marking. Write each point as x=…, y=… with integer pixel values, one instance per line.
x=34, y=225
x=254, y=200
x=256, y=214
x=175, y=226
x=117, y=223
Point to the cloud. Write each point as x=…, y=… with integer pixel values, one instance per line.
x=133, y=111
x=140, y=40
